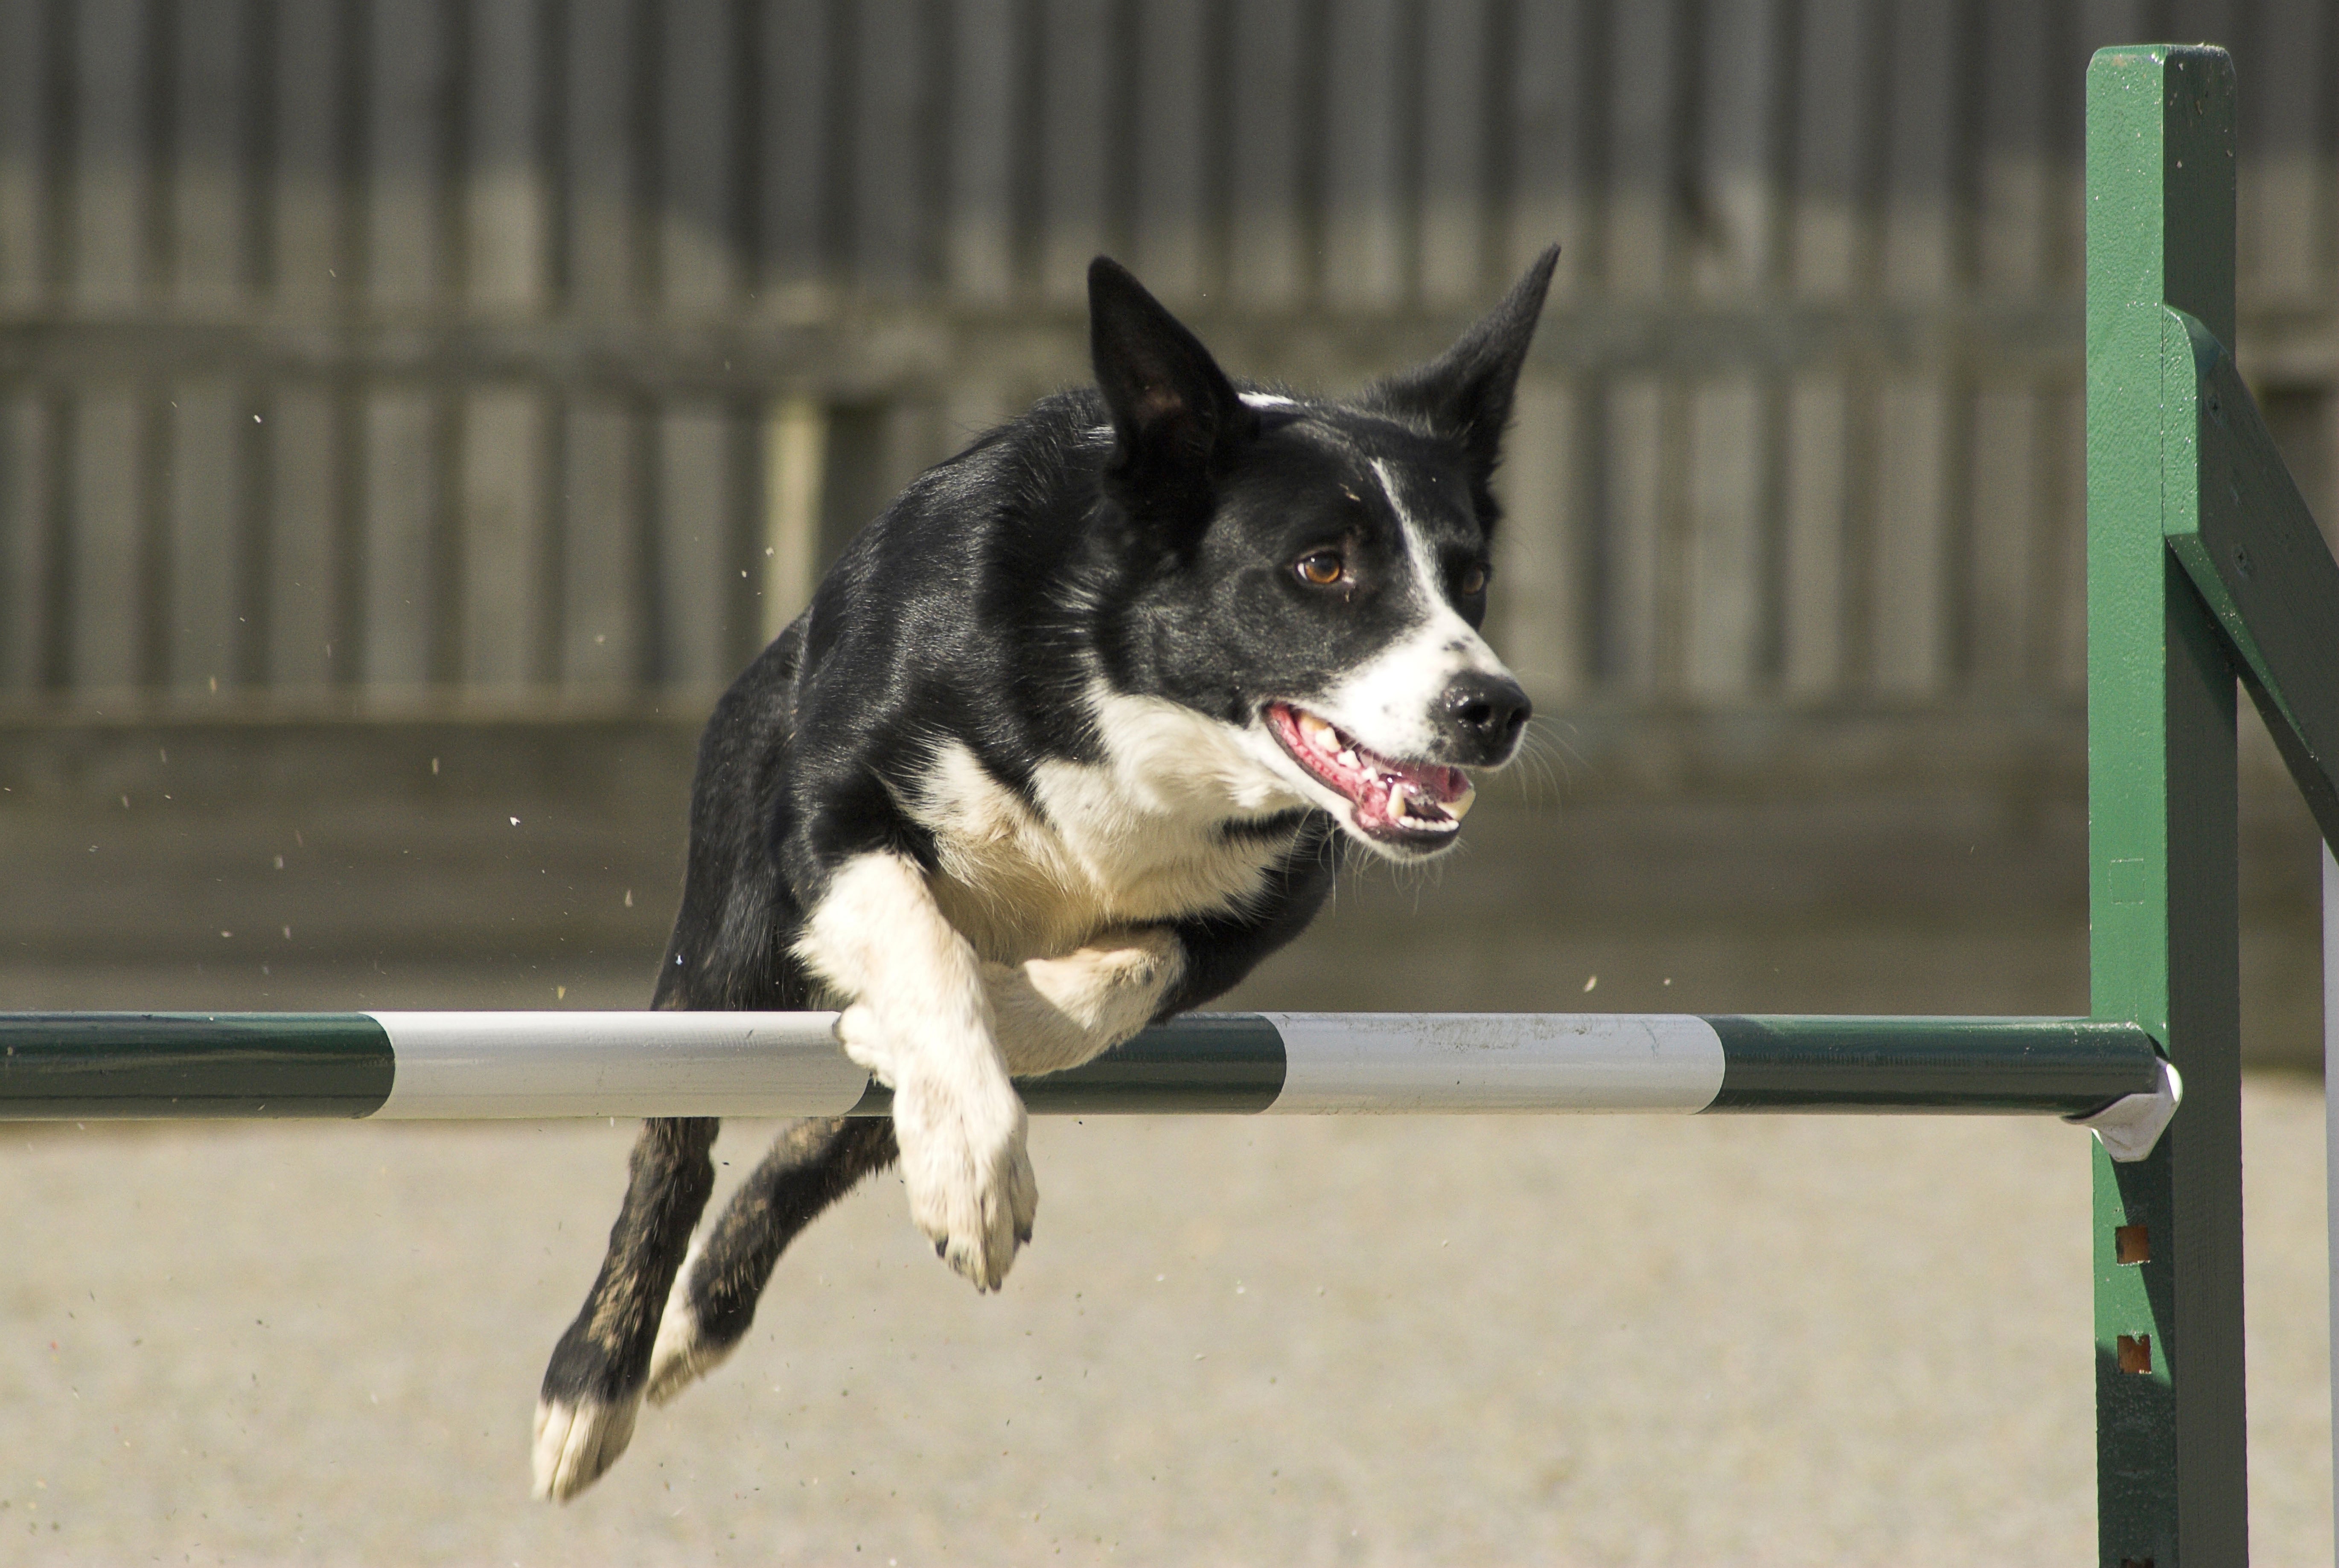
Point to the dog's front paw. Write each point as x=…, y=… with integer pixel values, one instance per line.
x=969, y=1174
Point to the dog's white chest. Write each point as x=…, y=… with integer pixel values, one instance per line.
x=1140, y=837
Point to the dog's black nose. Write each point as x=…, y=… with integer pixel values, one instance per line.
x=1487, y=714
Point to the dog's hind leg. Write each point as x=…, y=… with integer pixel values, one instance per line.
x=812, y=1164
x=593, y=1387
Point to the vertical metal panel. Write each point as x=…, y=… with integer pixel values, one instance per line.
x=2011, y=232
x=2005, y=491
x=1550, y=196
x=1920, y=197
x=1633, y=470
x=699, y=164
x=27, y=124
x=307, y=466
x=1540, y=590
x=408, y=108
x=2284, y=203
x=697, y=529
x=1817, y=499
x=794, y=147
x=1077, y=90
x=28, y=532
x=1267, y=241
x=1834, y=88
x=1367, y=87
x=1722, y=563
x=208, y=186
x=398, y=518
x=105, y=541
x=308, y=269
x=1737, y=179
x=1169, y=225
x=601, y=557
x=986, y=85
x=604, y=241
x=2171, y=1446
x=891, y=150
x=501, y=497
x=112, y=139
x=1643, y=121
x=206, y=496
x=506, y=209
x=1909, y=614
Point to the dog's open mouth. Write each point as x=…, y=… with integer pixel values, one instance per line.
x=1412, y=804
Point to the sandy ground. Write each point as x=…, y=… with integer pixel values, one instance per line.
x=1630, y=1340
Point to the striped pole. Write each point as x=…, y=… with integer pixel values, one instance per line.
x=539, y=1065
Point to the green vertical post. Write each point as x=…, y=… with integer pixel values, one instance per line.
x=2171, y=1480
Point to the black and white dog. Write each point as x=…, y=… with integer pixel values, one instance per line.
x=1070, y=738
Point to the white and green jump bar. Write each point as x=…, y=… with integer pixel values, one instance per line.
x=462, y=1066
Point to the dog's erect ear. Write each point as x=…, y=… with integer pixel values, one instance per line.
x=1175, y=415
x=1465, y=394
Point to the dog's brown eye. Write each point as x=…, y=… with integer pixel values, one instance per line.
x=1321, y=569
x=1474, y=582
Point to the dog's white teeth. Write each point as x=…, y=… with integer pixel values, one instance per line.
x=1345, y=759
x=1315, y=729
x=1459, y=806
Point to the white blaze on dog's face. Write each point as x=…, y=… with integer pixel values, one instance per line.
x=1383, y=738
x=1316, y=571
x=1408, y=701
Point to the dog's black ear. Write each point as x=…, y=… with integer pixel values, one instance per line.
x=1465, y=394
x=1175, y=416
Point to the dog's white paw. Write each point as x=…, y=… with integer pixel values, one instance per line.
x=576, y=1441
x=960, y=1131
x=682, y=1354
x=963, y=1159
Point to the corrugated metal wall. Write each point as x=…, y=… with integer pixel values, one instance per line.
x=377, y=353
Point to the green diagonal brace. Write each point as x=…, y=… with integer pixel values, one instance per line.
x=2171, y=1485
x=2255, y=557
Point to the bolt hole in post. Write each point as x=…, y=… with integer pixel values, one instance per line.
x=2132, y=1244
x=2136, y=1353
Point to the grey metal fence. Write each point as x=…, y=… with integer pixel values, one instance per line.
x=385, y=355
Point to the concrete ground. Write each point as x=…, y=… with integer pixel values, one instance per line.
x=1588, y=1340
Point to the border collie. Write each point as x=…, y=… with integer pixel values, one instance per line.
x=1071, y=737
